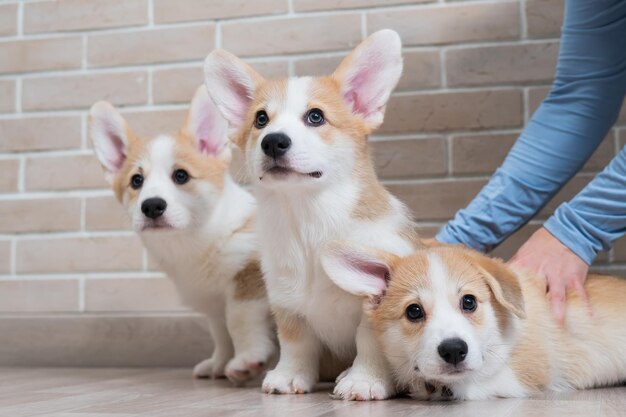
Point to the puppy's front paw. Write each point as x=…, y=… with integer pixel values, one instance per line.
x=243, y=368
x=288, y=382
x=360, y=386
x=430, y=391
x=210, y=368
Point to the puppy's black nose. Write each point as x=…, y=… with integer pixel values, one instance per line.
x=453, y=351
x=275, y=144
x=153, y=207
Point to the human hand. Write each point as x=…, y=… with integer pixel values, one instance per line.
x=545, y=256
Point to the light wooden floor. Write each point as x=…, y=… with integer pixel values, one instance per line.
x=76, y=392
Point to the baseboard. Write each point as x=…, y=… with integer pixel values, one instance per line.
x=112, y=340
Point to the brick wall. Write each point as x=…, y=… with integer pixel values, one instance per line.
x=474, y=72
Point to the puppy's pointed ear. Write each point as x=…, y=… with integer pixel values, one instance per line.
x=369, y=74
x=358, y=270
x=231, y=83
x=503, y=282
x=111, y=137
x=207, y=126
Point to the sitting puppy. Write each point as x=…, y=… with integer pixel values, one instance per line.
x=196, y=222
x=305, y=142
x=455, y=324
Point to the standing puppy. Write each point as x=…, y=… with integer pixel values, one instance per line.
x=196, y=222
x=305, y=142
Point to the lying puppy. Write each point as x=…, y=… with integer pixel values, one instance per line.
x=305, y=142
x=455, y=324
x=196, y=222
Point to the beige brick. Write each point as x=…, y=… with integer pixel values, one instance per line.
x=35, y=296
x=40, y=133
x=177, y=85
x=5, y=256
x=167, y=11
x=621, y=118
x=79, y=254
x=602, y=156
x=40, y=54
x=65, y=15
x=131, y=294
x=427, y=232
x=105, y=213
x=309, y=6
x=544, y=18
x=8, y=175
x=406, y=158
x=81, y=91
x=316, y=66
x=479, y=154
x=421, y=68
x=619, y=250
x=453, y=111
x=8, y=19
x=509, y=247
x=63, y=173
x=151, y=46
x=438, y=199
x=449, y=24
x=535, y=97
x=39, y=215
x=568, y=192
x=7, y=96
x=501, y=64
x=147, y=124
x=292, y=35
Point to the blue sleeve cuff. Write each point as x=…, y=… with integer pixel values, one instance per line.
x=445, y=235
x=566, y=229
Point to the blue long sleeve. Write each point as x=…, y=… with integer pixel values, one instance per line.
x=583, y=104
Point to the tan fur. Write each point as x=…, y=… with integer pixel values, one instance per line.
x=504, y=284
x=247, y=227
x=288, y=324
x=325, y=94
x=545, y=355
x=207, y=168
x=373, y=203
x=249, y=283
x=121, y=183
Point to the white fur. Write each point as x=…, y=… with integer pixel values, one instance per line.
x=200, y=250
x=299, y=213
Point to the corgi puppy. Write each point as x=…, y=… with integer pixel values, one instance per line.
x=456, y=324
x=305, y=144
x=197, y=224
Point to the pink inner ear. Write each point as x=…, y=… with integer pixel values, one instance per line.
x=363, y=92
x=209, y=134
x=115, y=159
x=208, y=147
x=373, y=269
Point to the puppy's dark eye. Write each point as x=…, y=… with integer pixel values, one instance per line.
x=261, y=119
x=180, y=176
x=136, y=181
x=315, y=117
x=468, y=303
x=414, y=312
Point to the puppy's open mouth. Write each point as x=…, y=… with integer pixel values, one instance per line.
x=281, y=171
